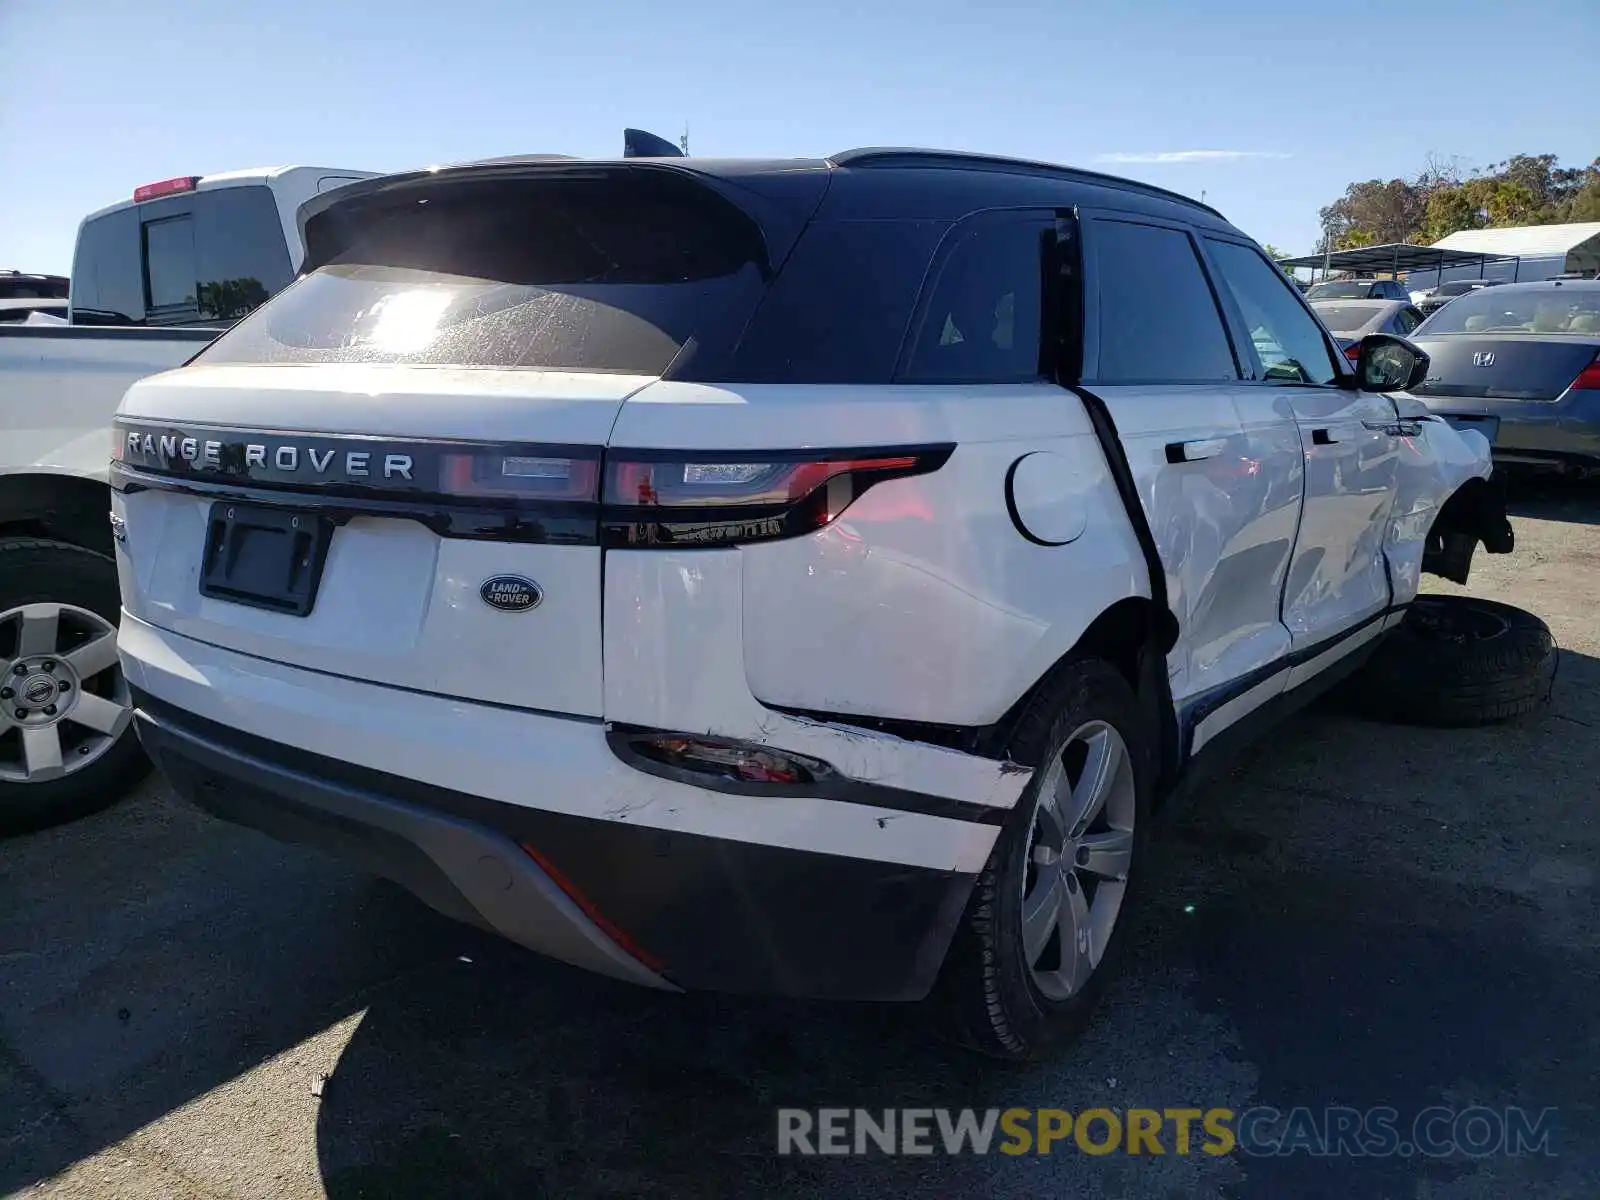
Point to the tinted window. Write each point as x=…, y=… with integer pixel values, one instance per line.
x=981, y=320
x=169, y=262
x=575, y=275
x=1343, y=318
x=242, y=256
x=838, y=311
x=1156, y=316
x=1288, y=341
x=1348, y=289
x=205, y=257
x=1406, y=320
x=108, y=271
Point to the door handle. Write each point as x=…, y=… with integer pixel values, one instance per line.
x=1182, y=452
x=1323, y=437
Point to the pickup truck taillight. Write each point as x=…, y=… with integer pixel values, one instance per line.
x=679, y=498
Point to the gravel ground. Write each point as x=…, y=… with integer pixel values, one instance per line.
x=1356, y=915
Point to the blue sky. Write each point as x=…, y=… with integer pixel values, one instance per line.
x=1267, y=108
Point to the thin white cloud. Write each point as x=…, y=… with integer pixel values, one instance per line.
x=1185, y=156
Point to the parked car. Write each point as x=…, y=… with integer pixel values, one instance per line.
x=1521, y=363
x=15, y=285
x=1351, y=320
x=1358, y=289
x=621, y=572
x=1436, y=298
x=18, y=311
x=155, y=278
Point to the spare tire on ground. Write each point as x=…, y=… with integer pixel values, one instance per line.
x=1456, y=661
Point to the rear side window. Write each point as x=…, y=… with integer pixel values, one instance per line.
x=592, y=274
x=981, y=321
x=838, y=312
x=1155, y=316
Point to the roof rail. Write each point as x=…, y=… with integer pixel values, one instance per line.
x=911, y=156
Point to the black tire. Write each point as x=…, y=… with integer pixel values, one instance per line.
x=987, y=996
x=1457, y=661
x=34, y=570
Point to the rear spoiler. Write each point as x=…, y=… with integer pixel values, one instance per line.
x=636, y=143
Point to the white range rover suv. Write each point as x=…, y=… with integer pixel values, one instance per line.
x=775, y=576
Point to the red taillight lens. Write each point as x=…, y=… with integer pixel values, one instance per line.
x=165, y=187
x=653, y=499
x=1353, y=352
x=1588, y=379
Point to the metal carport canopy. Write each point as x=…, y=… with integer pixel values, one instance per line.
x=1396, y=256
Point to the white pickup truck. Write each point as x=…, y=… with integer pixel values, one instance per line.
x=154, y=279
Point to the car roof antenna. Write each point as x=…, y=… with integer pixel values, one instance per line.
x=636, y=143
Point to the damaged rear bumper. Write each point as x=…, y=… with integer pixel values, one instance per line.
x=532, y=825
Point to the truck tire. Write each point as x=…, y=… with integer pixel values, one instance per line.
x=1457, y=661
x=1014, y=984
x=67, y=744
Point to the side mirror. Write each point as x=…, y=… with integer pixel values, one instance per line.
x=1390, y=364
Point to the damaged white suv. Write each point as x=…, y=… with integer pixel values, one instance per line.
x=800, y=577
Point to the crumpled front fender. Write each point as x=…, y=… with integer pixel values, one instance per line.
x=1446, y=501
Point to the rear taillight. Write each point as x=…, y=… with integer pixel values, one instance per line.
x=731, y=761
x=1353, y=351
x=518, y=476
x=1588, y=379
x=652, y=498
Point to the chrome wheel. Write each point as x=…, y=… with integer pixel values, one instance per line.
x=1078, y=854
x=63, y=700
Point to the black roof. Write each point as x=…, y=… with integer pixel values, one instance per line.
x=874, y=181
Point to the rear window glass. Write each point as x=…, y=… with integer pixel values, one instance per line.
x=1512, y=310
x=595, y=274
x=1349, y=289
x=199, y=258
x=1340, y=317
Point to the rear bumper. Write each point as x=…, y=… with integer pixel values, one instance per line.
x=1565, y=431
x=761, y=908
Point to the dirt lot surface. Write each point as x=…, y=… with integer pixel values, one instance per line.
x=1357, y=915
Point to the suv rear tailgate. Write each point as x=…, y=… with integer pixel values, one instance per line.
x=397, y=603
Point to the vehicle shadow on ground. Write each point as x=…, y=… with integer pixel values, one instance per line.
x=1315, y=935
x=1357, y=914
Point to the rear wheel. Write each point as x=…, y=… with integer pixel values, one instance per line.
x=1043, y=929
x=67, y=745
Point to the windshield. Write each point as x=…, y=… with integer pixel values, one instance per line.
x=1514, y=310
x=1344, y=318
x=1341, y=289
x=580, y=275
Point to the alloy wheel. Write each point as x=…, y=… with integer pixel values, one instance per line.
x=63, y=699
x=1079, y=850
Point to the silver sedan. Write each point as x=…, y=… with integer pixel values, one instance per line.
x=1351, y=320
